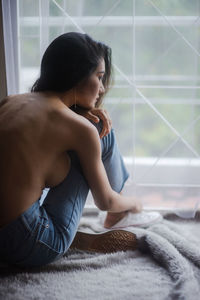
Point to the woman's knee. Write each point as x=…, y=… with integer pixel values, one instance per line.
x=108, y=142
x=99, y=125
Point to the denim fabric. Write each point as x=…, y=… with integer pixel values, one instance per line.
x=43, y=233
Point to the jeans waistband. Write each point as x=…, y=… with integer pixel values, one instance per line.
x=17, y=222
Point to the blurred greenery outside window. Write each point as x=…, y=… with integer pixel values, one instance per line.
x=154, y=102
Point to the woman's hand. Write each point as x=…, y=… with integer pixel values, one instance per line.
x=95, y=115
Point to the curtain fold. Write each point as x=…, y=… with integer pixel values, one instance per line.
x=9, y=11
x=3, y=85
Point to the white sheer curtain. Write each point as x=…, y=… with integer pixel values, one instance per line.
x=9, y=10
x=154, y=103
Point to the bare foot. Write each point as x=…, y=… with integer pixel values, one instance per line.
x=112, y=218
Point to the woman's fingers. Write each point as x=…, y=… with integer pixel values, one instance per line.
x=90, y=116
x=107, y=124
x=105, y=121
x=95, y=115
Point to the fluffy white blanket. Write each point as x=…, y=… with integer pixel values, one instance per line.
x=166, y=266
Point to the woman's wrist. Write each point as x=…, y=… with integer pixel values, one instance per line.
x=120, y=203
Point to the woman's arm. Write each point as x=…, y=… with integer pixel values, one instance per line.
x=87, y=145
x=95, y=115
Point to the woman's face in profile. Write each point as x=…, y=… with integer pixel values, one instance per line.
x=89, y=90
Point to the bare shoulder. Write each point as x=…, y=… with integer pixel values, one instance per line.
x=15, y=98
x=81, y=130
x=77, y=122
x=8, y=102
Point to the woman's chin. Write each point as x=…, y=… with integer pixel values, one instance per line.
x=92, y=105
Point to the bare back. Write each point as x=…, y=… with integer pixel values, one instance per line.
x=32, y=151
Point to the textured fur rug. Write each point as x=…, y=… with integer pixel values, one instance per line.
x=166, y=266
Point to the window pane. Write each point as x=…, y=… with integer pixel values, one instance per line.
x=154, y=103
x=28, y=8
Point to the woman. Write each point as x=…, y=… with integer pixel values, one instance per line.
x=45, y=142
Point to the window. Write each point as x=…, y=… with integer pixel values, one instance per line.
x=154, y=103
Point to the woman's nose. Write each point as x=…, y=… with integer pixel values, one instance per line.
x=101, y=89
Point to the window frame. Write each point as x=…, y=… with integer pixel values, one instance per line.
x=173, y=166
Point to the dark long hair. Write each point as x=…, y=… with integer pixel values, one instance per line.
x=69, y=59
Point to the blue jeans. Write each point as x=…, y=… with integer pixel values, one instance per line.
x=43, y=233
